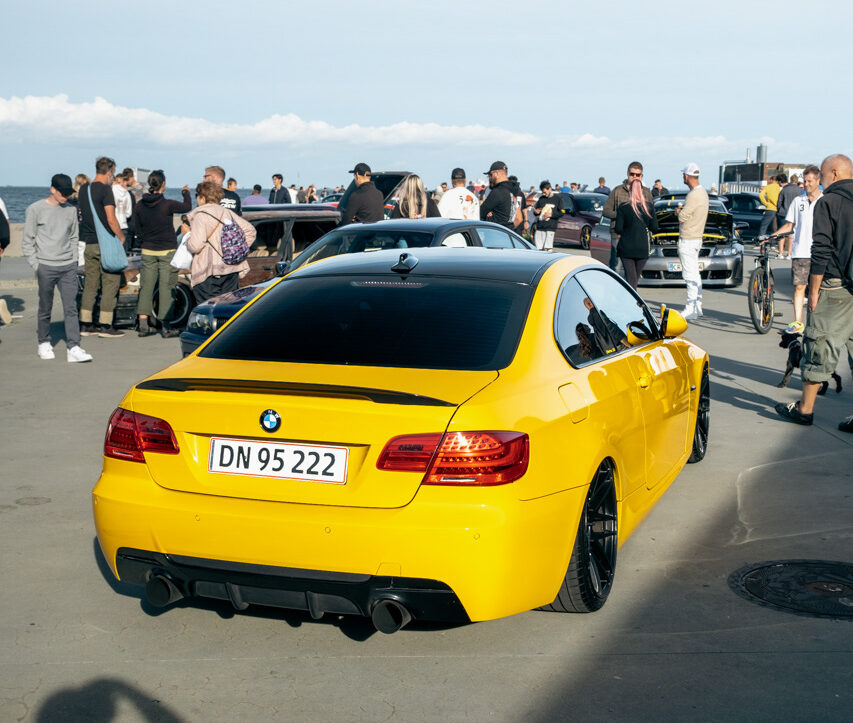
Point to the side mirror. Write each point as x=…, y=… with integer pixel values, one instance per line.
x=740, y=225
x=282, y=267
x=672, y=324
x=637, y=333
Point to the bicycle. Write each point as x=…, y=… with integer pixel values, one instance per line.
x=761, y=291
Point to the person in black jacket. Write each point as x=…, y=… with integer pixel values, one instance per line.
x=635, y=223
x=548, y=208
x=156, y=231
x=278, y=193
x=830, y=293
x=498, y=206
x=365, y=203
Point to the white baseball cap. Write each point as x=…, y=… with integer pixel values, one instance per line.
x=691, y=169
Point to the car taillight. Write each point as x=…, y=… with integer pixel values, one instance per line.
x=130, y=435
x=459, y=458
x=410, y=453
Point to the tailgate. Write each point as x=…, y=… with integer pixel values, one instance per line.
x=333, y=421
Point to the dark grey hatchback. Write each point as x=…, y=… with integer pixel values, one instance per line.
x=401, y=234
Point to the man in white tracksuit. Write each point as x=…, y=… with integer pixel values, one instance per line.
x=691, y=226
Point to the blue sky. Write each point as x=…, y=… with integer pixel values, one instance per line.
x=559, y=90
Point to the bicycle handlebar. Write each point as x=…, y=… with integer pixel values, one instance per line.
x=774, y=236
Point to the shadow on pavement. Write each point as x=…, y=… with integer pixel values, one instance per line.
x=15, y=303
x=103, y=700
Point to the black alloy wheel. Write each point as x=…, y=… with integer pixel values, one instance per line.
x=586, y=234
x=703, y=420
x=589, y=579
x=184, y=304
x=761, y=302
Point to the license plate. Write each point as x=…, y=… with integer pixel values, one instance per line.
x=280, y=460
x=674, y=266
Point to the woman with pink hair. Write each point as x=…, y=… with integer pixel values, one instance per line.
x=635, y=223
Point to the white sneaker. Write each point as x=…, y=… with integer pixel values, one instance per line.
x=78, y=354
x=45, y=351
x=5, y=316
x=690, y=313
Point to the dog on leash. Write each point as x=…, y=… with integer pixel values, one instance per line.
x=792, y=343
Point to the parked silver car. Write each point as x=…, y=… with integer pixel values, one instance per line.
x=720, y=258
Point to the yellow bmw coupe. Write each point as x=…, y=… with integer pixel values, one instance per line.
x=445, y=434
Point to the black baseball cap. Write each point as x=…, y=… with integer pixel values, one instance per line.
x=457, y=174
x=361, y=169
x=496, y=166
x=62, y=184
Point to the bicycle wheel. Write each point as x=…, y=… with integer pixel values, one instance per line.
x=760, y=299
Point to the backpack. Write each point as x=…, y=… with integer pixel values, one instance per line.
x=232, y=241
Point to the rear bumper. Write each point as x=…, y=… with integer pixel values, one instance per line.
x=458, y=553
x=315, y=591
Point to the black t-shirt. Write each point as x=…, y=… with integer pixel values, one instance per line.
x=102, y=195
x=550, y=224
x=231, y=201
x=499, y=204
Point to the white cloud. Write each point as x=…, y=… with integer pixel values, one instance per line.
x=57, y=119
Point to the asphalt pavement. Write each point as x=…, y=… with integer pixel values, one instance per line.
x=674, y=642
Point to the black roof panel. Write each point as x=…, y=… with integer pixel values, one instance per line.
x=514, y=265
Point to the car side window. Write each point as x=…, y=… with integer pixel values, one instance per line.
x=617, y=316
x=572, y=330
x=568, y=203
x=493, y=238
x=456, y=240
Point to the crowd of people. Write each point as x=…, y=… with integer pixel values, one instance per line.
x=69, y=226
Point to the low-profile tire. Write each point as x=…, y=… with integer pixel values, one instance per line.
x=737, y=279
x=586, y=233
x=184, y=304
x=703, y=420
x=589, y=579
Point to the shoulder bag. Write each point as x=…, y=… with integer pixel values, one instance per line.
x=113, y=257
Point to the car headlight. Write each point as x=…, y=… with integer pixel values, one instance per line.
x=732, y=250
x=201, y=322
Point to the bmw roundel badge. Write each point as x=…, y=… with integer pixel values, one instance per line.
x=270, y=420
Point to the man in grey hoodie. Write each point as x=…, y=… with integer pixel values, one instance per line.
x=50, y=246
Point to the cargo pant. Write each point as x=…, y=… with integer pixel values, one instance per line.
x=688, y=254
x=828, y=331
x=97, y=278
x=157, y=272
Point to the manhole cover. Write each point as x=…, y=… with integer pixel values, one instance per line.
x=821, y=588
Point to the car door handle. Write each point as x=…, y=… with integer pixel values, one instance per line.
x=644, y=381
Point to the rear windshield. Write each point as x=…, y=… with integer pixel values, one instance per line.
x=427, y=323
x=354, y=239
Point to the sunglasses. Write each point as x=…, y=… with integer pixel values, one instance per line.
x=635, y=174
